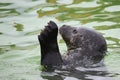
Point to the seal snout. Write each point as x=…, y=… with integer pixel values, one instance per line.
x=62, y=29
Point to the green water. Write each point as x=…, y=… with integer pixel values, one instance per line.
x=22, y=20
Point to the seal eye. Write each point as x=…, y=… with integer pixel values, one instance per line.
x=75, y=31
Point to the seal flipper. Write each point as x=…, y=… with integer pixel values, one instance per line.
x=50, y=55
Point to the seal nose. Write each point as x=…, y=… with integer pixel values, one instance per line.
x=62, y=29
x=63, y=25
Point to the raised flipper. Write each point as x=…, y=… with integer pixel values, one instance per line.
x=50, y=55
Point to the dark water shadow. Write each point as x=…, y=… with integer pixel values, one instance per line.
x=79, y=75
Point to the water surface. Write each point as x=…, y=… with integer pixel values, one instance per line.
x=21, y=21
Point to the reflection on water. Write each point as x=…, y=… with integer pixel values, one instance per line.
x=21, y=21
x=80, y=74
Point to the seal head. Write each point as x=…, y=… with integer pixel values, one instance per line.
x=83, y=44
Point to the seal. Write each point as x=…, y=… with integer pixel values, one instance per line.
x=86, y=47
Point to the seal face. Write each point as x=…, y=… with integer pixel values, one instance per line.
x=85, y=46
x=80, y=37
